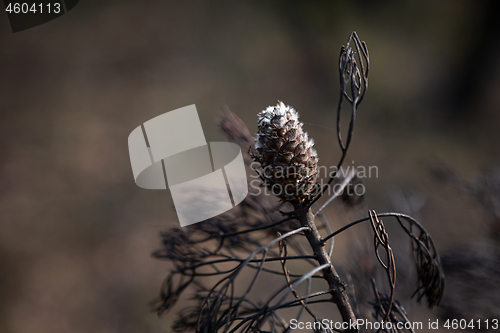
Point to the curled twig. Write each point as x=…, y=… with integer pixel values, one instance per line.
x=387, y=309
x=381, y=239
x=429, y=269
x=354, y=65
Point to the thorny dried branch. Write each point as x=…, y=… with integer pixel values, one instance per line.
x=225, y=258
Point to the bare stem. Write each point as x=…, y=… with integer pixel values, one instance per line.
x=338, y=292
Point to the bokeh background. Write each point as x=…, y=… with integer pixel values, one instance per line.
x=76, y=233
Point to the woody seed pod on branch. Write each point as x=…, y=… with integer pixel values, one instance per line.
x=286, y=154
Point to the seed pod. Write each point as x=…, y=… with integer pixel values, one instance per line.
x=286, y=152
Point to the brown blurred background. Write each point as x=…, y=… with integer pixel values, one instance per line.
x=76, y=233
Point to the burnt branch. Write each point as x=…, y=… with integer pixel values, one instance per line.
x=381, y=239
x=429, y=269
x=338, y=292
x=389, y=310
x=354, y=65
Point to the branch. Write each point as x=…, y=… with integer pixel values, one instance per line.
x=339, y=294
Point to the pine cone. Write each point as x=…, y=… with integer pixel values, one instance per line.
x=285, y=153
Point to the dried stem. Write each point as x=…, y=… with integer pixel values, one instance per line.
x=430, y=272
x=354, y=65
x=338, y=292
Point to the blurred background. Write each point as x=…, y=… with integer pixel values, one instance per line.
x=76, y=233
